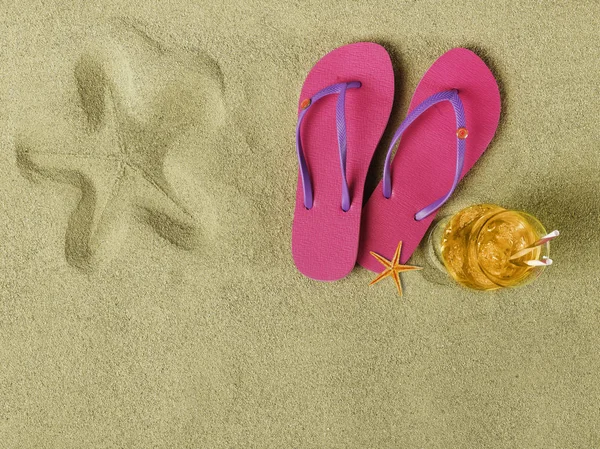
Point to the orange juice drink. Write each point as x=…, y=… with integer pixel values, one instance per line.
x=476, y=245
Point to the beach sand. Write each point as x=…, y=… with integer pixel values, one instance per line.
x=148, y=297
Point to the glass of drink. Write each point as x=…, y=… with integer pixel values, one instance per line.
x=475, y=247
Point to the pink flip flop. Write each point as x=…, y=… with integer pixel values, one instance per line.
x=456, y=98
x=344, y=107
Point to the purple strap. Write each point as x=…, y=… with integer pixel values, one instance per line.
x=340, y=121
x=453, y=98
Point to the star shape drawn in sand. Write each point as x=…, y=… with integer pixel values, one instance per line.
x=392, y=268
x=118, y=165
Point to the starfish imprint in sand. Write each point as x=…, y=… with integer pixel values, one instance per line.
x=120, y=170
x=392, y=268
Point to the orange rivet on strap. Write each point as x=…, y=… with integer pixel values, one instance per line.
x=462, y=133
x=305, y=103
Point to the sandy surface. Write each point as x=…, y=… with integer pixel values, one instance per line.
x=148, y=297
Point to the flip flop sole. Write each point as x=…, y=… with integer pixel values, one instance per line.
x=425, y=161
x=325, y=238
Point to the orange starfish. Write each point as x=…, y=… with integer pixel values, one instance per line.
x=392, y=268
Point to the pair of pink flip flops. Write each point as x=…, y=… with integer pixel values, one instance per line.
x=344, y=108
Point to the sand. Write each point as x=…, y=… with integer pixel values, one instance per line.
x=148, y=296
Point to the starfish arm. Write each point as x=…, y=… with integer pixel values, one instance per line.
x=396, y=278
x=396, y=258
x=401, y=268
x=100, y=221
x=44, y=141
x=180, y=233
x=155, y=179
x=381, y=276
x=386, y=263
x=165, y=215
x=61, y=166
x=112, y=216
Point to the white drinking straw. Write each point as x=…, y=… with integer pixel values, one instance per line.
x=539, y=263
x=534, y=245
x=544, y=262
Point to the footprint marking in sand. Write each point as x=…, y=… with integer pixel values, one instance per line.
x=133, y=121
